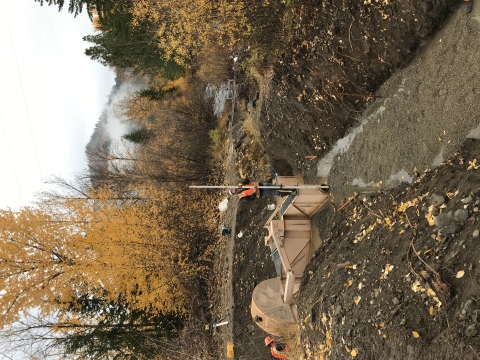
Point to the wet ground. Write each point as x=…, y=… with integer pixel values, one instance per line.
x=425, y=113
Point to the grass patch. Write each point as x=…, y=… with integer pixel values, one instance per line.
x=256, y=59
x=218, y=138
x=218, y=135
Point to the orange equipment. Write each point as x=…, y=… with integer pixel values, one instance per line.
x=278, y=354
x=277, y=351
x=230, y=352
x=268, y=340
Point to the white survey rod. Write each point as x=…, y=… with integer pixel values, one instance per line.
x=219, y=324
x=279, y=187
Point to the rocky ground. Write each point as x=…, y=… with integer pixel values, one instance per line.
x=396, y=276
x=399, y=275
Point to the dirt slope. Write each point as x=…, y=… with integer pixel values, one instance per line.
x=347, y=48
x=424, y=114
x=402, y=273
x=340, y=52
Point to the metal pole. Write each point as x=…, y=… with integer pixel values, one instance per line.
x=280, y=187
x=219, y=324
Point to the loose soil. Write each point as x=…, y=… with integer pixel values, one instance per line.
x=384, y=283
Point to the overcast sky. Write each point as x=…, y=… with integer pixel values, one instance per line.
x=51, y=96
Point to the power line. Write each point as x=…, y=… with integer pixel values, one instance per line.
x=25, y=102
x=11, y=160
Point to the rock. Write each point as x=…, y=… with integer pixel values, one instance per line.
x=467, y=200
x=449, y=230
x=469, y=307
x=410, y=350
x=476, y=192
x=467, y=7
x=443, y=219
x=396, y=301
x=338, y=309
x=366, y=46
x=475, y=233
x=471, y=331
x=436, y=199
x=460, y=215
x=475, y=209
x=403, y=321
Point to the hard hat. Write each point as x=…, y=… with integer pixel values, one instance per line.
x=268, y=340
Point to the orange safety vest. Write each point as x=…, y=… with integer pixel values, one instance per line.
x=250, y=191
x=279, y=354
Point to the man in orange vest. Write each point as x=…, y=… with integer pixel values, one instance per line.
x=254, y=192
x=278, y=351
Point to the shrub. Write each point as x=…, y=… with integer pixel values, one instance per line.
x=218, y=138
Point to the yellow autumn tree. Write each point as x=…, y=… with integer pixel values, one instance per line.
x=93, y=244
x=184, y=27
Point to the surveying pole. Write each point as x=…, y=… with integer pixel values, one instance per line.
x=278, y=187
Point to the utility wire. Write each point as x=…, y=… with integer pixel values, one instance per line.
x=11, y=160
x=25, y=102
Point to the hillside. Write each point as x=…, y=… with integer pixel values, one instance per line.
x=427, y=108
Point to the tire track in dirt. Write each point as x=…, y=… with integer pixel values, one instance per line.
x=226, y=302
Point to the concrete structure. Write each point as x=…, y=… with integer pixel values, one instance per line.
x=289, y=238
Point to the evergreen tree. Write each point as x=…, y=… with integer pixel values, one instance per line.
x=120, y=45
x=138, y=136
x=75, y=7
x=155, y=95
x=118, y=328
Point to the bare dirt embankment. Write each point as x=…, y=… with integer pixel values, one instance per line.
x=379, y=307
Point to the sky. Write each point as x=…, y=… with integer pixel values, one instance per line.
x=51, y=96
